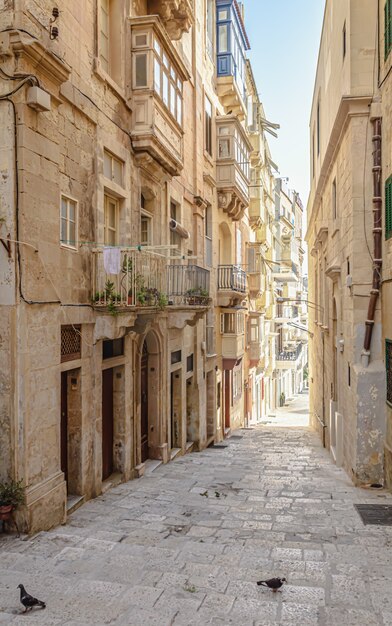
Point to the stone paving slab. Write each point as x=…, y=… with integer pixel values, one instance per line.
x=185, y=545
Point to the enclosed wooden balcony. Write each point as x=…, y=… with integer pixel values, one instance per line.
x=233, y=168
x=156, y=98
x=233, y=334
x=285, y=273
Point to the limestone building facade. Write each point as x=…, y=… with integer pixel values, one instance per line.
x=132, y=283
x=347, y=371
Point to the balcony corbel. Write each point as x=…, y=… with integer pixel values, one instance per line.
x=177, y=15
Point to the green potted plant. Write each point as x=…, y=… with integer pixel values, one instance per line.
x=197, y=295
x=11, y=496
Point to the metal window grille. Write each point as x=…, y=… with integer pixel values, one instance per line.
x=388, y=364
x=71, y=344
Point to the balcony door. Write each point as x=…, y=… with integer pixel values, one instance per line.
x=107, y=423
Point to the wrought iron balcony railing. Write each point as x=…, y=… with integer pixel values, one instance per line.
x=141, y=280
x=188, y=284
x=290, y=355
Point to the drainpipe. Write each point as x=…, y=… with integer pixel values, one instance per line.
x=377, y=234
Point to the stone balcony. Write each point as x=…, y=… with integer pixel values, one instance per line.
x=232, y=171
x=285, y=273
x=177, y=15
x=156, y=98
x=231, y=284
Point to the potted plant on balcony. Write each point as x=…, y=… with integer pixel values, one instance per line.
x=198, y=296
x=11, y=496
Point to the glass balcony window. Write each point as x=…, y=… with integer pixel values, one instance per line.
x=167, y=83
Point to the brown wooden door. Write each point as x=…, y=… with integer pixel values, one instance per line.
x=144, y=406
x=227, y=397
x=107, y=423
x=64, y=425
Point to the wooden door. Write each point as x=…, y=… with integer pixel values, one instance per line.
x=107, y=423
x=144, y=405
x=64, y=425
x=172, y=419
x=227, y=397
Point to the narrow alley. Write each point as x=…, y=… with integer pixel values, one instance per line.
x=186, y=544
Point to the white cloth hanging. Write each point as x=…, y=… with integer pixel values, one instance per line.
x=112, y=260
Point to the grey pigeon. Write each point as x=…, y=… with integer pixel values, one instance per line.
x=29, y=601
x=272, y=583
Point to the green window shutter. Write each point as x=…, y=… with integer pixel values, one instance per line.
x=388, y=208
x=388, y=367
x=388, y=27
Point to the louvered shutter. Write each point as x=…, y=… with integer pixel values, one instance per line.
x=388, y=208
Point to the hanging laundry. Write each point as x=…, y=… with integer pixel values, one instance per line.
x=112, y=260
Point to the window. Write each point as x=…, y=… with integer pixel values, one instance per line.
x=210, y=28
x=145, y=230
x=175, y=239
x=175, y=357
x=71, y=343
x=112, y=348
x=140, y=69
x=313, y=153
x=232, y=323
x=237, y=382
x=68, y=222
x=344, y=41
x=189, y=363
x=388, y=365
x=111, y=211
x=388, y=27
x=254, y=330
x=113, y=168
x=208, y=125
x=167, y=83
x=223, y=37
x=388, y=208
x=318, y=128
x=334, y=200
x=208, y=234
x=104, y=35
x=110, y=43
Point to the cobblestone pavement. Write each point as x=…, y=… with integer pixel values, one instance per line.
x=186, y=544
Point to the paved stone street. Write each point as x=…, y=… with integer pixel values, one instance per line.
x=186, y=544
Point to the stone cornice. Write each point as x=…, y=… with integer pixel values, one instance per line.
x=32, y=52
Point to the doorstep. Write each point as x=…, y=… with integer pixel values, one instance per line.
x=188, y=447
x=113, y=480
x=73, y=503
x=151, y=465
x=174, y=452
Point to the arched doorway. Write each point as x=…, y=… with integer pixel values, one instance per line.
x=150, y=428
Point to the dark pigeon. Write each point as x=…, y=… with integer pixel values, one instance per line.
x=272, y=583
x=28, y=601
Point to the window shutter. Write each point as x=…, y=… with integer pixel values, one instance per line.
x=222, y=323
x=388, y=27
x=388, y=208
x=251, y=260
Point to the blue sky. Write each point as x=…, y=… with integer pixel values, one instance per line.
x=284, y=38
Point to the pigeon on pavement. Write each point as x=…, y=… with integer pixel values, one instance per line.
x=272, y=583
x=29, y=601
